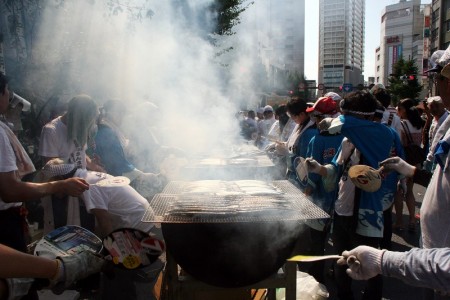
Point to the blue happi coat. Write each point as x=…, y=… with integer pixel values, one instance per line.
x=375, y=142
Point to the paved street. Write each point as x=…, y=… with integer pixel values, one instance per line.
x=395, y=289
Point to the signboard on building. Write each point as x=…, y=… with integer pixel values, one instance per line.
x=392, y=39
x=394, y=53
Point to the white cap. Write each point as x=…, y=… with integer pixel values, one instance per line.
x=436, y=99
x=268, y=108
x=333, y=96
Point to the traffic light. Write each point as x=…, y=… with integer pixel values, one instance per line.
x=411, y=77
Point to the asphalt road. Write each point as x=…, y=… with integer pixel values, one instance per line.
x=394, y=289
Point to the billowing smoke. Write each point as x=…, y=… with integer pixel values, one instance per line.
x=157, y=51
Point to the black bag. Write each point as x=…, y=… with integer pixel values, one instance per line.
x=414, y=154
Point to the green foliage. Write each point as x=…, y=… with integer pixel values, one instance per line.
x=227, y=13
x=403, y=82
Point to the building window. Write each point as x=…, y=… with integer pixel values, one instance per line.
x=378, y=68
x=378, y=79
x=378, y=57
x=435, y=16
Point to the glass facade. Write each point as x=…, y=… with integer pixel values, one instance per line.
x=341, y=42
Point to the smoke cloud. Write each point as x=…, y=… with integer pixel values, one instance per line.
x=156, y=51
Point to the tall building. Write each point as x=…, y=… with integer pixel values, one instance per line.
x=439, y=39
x=341, y=42
x=281, y=37
x=401, y=35
x=440, y=25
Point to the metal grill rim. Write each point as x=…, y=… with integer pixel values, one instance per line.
x=297, y=207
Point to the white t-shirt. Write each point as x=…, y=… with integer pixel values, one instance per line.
x=435, y=209
x=416, y=134
x=54, y=143
x=346, y=196
x=396, y=122
x=435, y=124
x=122, y=202
x=264, y=126
x=7, y=163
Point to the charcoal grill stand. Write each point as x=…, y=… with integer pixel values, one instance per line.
x=179, y=285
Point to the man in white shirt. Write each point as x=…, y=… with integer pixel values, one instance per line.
x=439, y=113
x=114, y=206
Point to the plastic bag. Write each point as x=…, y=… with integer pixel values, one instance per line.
x=307, y=289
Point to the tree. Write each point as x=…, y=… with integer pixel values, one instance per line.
x=403, y=81
x=293, y=82
x=227, y=14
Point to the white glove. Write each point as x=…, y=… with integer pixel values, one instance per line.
x=399, y=165
x=366, y=265
x=75, y=267
x=18, y=287
x=313, y=165
x=281, y=149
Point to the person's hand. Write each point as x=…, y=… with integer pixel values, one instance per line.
x=399, y=165
x=364, y=262
x=75, y=267
x=426, y=109
x=313, y=165
x=270, y=147
x=73, y=186
x=281, y=149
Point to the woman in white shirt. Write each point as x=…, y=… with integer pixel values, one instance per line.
x=411, y=130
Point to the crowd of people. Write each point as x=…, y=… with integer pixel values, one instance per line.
x=316, y=146
x=407, y=144
x=81, y=147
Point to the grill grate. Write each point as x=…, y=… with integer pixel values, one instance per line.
x=214, y=201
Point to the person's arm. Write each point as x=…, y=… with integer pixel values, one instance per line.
x=419, y=267
x=17, y=264
x=110, y=152
x=14, y=190
x=397, y=164
x=62, y=272
x=427, y=125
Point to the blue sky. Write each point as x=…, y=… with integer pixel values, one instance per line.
x=372, y=35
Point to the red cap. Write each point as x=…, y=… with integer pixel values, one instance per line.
x=323, y=106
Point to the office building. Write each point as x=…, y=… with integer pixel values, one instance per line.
x=281, y=37
x=341, y=43
x=401, y=35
